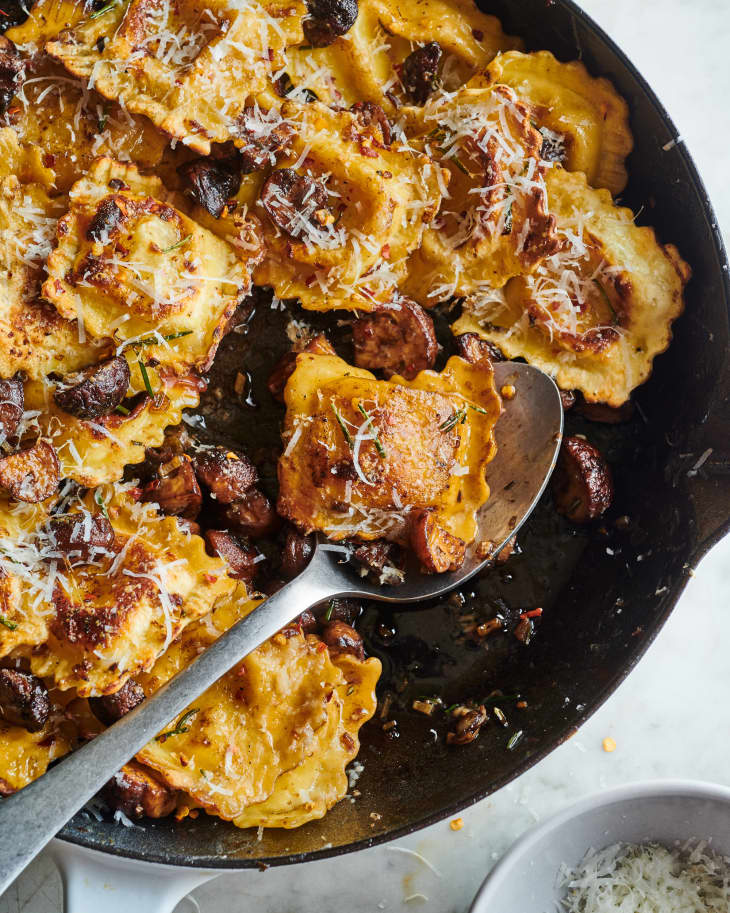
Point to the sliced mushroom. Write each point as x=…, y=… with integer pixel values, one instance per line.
x=96, y=390
x=212, y=181
x=31, y=475
x=370, y=114
x=138, y=793
x=296, y=203
x=176, y=490
x=227, y=475
x=108, y=216
x=113, y=707
x=296, y=553
x=436, y=548
x=253, y=516
x=582, y=484
x=398, y=339
x=465, y=724
x=24, y=700
x=327, y=20
x=240, y=557
x=12, y=72
x=81, y=536
x=420, y=72
x=12, y=403
x=261, y=140
x=473, y=348
x=342, y=638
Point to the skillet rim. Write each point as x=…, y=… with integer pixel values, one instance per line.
x=566, y=731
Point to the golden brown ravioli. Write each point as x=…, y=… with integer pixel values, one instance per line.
x=493, y=222
x=129, y=262
x=361, y=453
x=584, y=120
x=189, y=66
x=287, y=702
x=596, y=313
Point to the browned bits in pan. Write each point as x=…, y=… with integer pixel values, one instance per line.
x=397, y=339
x=112, y=707
x=296, y=553
x=341, y=638
x=12, y=402
x=240, y=557
x=436, y=548
x=253, y=516
x=23, y=700
x=567, y=399
x=176, y=490
x=582, y=483
x=82, y=537
x=420, y=72
x=473, y=348
x=327, y=20
x=96, y=390
x=12, y=73
x=31, y=475
x=227, y=475
x=294, y=202
x=260, y=140
x=137, y=792
x=465, y=724
x=211, y=181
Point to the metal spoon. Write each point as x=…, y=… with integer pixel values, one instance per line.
x=528, y=437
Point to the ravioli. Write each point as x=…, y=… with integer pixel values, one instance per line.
x=189, y=66
x=129, y=262
x=98, y=623
x=595, y=314
x=25, y=756
x=494, y=222
x=286, y=702
x=584, y=119
x=361, y=454
x=380, y=200
x=363, y=65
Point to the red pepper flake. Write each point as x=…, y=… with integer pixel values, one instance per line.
x=533, y=613
x=321, y=646
x=210, y=578
x=385, y=251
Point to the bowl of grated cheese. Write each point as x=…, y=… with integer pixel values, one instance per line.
x=656, y=847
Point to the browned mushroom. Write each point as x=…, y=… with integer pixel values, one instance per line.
x=582, y=484
x=327, y=20
x=24, y=700
x=342, y=638
x=176, y=490
x=296, y=553
x=296, y=204
x=227, y=475
x=420, y=72
x=465, y=724
x=253, y=516
x=96, y=390
x=212, y=180
x=397, y=338
x=261, y=138
x=436, y=548
x=82, y=536
x=240, y=557
x=138, y=792
x=31, y=475
x=473, y=348
x=12, y=402
x=112, y=707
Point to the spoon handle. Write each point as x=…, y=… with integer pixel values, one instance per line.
x=30, y=818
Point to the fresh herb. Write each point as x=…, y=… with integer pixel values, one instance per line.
x=180, y=728
x=122, y=410
x=460, y=165
x=154, y=340
x=378, y=446
x=102, y=504
x=145, y=377
x=104, y=9
x=477, y=409
x=501, y=698
x=330, y=610
x=604, y=293
x=11, y=625
x=514, y=740
x=341, y=423
x=102, y=121
x=166, y=250
x=454, y=419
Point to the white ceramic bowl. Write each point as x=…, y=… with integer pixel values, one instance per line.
x=664, y=811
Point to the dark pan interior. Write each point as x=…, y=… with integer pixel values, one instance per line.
x=605, y=589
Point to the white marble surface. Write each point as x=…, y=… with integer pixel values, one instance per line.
x=669, y=718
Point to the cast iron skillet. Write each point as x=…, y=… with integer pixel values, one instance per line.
x=606, y=590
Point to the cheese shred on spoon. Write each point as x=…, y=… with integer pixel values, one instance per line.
x=627, y=878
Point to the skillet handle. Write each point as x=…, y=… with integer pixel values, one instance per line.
x=98, y=883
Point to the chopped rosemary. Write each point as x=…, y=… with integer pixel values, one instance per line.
x=454, y=419
x=343, y=426
x=330, y=610
x=461, y=166
x=122, y=410
x=153, y=340
x=104, y=9
x=514, y=740
x=378, y=446
x=101, y=502
x=180, y=728
x=11, y=625
x=101, y=122
x=166, y=250
x=604, y=293
x=477, y=409
x=145, y=377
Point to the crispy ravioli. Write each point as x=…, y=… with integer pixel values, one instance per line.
x=242, y=748
x=584, y=120
x=93, y=624
x=361, y=453
x=494, y=222
x=380, y=199
x=188, y=66
x=130, y=262
x=25, y=756
x=364, y=64
x=596, y=313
